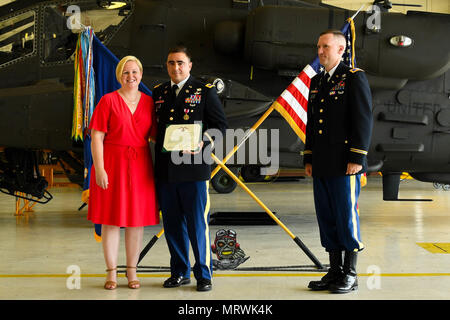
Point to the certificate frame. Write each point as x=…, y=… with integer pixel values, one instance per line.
x=180, y=137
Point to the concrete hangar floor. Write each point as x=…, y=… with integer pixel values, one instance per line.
x=51, y=253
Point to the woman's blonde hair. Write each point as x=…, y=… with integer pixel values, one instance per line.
x=121, y=65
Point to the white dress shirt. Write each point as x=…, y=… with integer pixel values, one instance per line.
x=179, y=84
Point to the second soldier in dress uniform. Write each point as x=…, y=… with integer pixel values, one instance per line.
x=338, y=134
x=183, y=187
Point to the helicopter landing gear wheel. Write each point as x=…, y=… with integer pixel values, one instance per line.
x=223, y=183
x=252, y=173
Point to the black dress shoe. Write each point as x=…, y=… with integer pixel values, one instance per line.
x=204, y=285
x=348, y=282
x=174, y=282
x=324, y=284
x=334, y=273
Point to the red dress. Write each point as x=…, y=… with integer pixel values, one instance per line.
x=130, y=199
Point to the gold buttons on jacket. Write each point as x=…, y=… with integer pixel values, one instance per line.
x=171, y=118
x=320, y=131
x=320, y=121
x=321, y=110
x=322, y=100
x=171, y=110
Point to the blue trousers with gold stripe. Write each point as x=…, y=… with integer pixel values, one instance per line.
x=336, y=202
x=185, y=210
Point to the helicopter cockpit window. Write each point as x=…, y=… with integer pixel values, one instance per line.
x=61, y=30
x=17, y=37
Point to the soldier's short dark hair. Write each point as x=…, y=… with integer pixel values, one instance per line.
x=335, y=32
x=180, y=48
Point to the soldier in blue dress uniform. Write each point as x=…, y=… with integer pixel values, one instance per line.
x=338, y=132
x=182, y=187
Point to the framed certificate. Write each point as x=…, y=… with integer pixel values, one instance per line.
x=181, y=137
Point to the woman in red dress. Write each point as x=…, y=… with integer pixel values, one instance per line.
x=123, y=192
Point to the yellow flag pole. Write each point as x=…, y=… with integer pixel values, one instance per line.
x=248, y=134
x=243, y=186
x=150, y=245
x=261, y=204
x=267, y=210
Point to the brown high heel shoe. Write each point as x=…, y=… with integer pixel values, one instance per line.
x=133, y=284
x=110, y=285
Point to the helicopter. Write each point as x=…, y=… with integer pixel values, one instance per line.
x=251, y=51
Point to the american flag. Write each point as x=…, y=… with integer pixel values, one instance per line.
x=348, y=30
x=292, y=103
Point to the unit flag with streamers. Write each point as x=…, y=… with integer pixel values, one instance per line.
x=95, y=75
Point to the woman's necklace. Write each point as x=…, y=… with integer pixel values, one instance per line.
x=130, y=102
x=133, y=103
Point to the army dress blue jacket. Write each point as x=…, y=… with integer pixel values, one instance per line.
x=339, y=124
x=195, y=102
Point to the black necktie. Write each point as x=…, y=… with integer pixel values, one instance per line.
x=174, y=92
x=325, y=78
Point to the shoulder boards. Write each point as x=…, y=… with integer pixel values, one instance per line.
x=157, y=85
x=209, y=85
x=355, y=70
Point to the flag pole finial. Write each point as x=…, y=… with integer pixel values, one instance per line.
x=357, y=12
